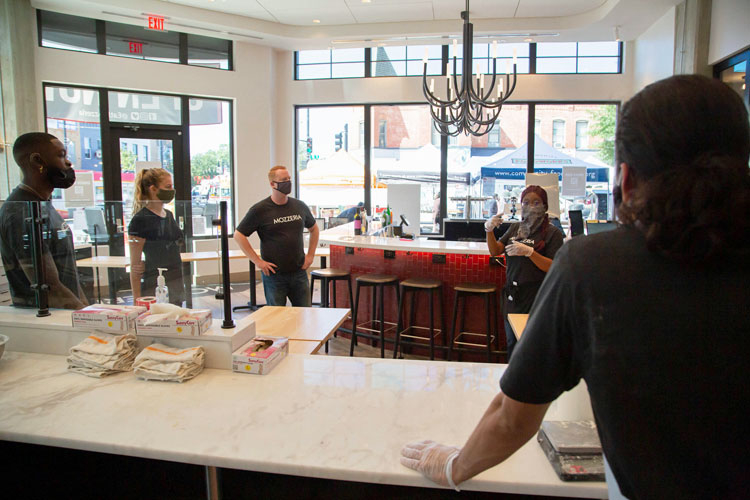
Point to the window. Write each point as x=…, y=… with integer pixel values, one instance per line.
x=493, y=138
x=330, y=181
x=583, y=57
x=537, y=127
x=135, y=150
x=406, y=60
x=61, y=31
x=582, y=134
x=484, y=62
x=362, y=134
x=151, y=109
x=86, y=148
x=435, y=136
x=337, y=63
x=382, y=143
x=145, y=152
x=558, y=134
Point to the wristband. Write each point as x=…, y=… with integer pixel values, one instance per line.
x=449, y=471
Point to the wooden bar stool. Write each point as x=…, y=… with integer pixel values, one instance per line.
x=378, y=282
x=414, y=286
x=329, y=276
x=462, y=292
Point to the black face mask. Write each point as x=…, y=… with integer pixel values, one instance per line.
x=284, y=187
x=62, y=179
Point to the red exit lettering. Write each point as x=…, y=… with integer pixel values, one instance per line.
x=135, y=47
x=156, y=23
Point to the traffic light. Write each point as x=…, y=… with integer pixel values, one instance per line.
x=309, y=145
x=339, y=141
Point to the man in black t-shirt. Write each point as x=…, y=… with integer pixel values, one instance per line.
x=43, y=161
x=280, y=221
x=653, y=315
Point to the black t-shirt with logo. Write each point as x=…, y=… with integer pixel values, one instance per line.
x=164, y=239
x=664, y=349
x=15, y=246
x=280, y=230
x=522, y=270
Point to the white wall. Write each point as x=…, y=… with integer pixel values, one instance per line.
x=400, y=89
x=729, y=28
x=654, y=52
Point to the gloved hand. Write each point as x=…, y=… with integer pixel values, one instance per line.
x=429, y=458
x=492, y=223
x=516, y=249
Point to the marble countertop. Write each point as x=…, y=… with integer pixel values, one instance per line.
x=328, y=417
x=343, y=236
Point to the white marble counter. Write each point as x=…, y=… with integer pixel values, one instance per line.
x=343, y=236
x=327, y=417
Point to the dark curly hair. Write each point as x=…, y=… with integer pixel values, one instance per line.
x=686, y=140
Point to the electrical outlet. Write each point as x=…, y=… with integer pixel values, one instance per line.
x=438, y=258
x=389, y=254
x=349, y=250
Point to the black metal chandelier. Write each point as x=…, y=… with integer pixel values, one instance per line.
x=471, y=108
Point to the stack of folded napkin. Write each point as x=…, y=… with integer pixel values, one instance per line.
x=102, y=354
x=160, y=362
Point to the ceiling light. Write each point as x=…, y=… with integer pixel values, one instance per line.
x=316, y=21
x=468, y=108
x=365, y=1
x=617, y=34
x=528, y=39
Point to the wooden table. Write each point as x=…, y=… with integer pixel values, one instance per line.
x=518, y=323
x=308, y=328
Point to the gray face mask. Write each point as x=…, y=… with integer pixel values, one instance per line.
x=531, y=219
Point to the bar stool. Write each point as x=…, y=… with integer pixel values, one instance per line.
x=329, y=276
x=463, y=291
x=378, y=282
x=414, y=286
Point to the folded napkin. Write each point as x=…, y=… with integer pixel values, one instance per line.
x=159, y=312
x=102, y=354
x=160, y=362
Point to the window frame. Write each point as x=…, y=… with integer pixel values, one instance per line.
x=101, y=39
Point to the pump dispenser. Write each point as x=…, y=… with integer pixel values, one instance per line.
x=162, y=292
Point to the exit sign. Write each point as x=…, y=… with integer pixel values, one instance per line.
x=135, y=47
x=155, y=23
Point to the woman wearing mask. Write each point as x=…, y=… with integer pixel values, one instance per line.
x=529, y=246
x=154, y=233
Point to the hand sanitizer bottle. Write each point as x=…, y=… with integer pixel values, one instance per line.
x=162, y=292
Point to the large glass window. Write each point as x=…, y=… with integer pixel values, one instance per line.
x=152, y=109
x=126, y=40
x=406, y=60
x=477, y=171
x=208, y=52
x=406, y=166
x=61, y=31
x=338, y=63
x=584, y=167
x=483, y=61
x=330, y=181
x=583, y=57
x=210, y=161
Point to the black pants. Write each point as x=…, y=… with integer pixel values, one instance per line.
x=517, y=299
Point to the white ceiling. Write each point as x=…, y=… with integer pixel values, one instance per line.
x=289, y=24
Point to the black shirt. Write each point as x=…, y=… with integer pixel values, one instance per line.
x=665, y=351
x=164, y=239
x=522, y=270
x=15, y=246
x=280, y=230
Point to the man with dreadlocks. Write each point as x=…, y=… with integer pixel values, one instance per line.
x=529, y=246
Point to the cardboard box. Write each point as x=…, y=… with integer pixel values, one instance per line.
x=195, y=323
x=247, y=359
x=107, y=318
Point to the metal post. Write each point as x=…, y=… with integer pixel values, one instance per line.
x=39, y=286
x=225, y=278
x=213, y=484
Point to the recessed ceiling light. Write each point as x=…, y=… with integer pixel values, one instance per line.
x=528, y=39
x=365, y=1
x=316, y=21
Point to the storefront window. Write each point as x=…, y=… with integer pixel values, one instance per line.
x=330, y=160
x=406, y=166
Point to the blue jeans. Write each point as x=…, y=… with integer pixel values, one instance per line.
x=294, y=285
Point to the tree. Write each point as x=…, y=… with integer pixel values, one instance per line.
x=604, y=120
x=127, y=161
x=209, y=164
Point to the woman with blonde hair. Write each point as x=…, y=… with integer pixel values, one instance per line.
x=154, y=233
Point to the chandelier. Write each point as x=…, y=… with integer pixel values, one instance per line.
x=473, y=107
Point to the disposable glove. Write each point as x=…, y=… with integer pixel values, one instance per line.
x=492, y=223
x=431, y=459
x=516, y=249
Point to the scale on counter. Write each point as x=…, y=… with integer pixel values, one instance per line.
x=573, y=449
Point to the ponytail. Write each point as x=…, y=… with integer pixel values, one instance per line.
x=694, y=213
x=146, y=178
